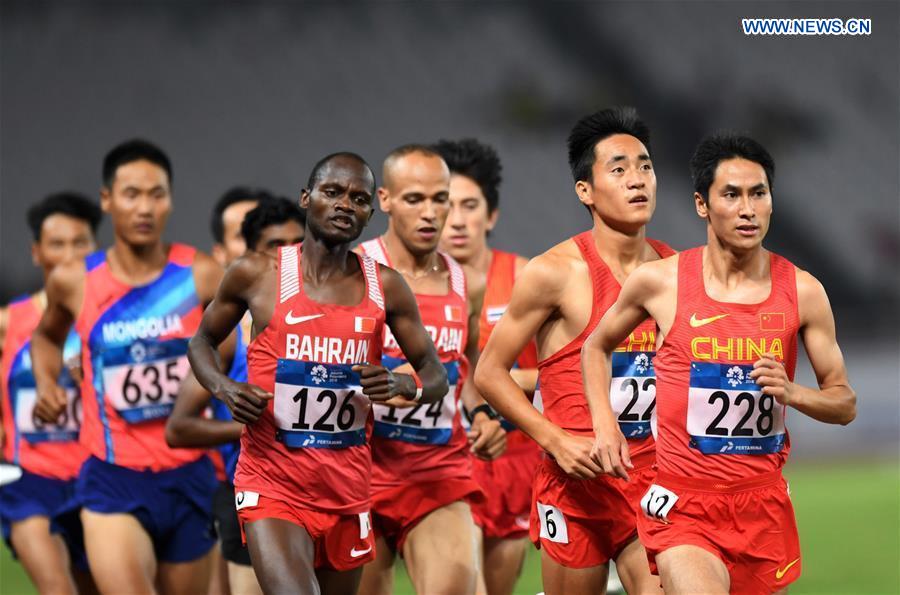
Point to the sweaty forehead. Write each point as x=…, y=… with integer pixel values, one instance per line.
x=346, y=172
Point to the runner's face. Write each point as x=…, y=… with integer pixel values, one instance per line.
x=139, y=202
x=623, y=189
x=340, y=204
x=468, y=223
x=233, y=245
x=740, y=204
x=280, y=234
x=417, y=199
x=63, y=239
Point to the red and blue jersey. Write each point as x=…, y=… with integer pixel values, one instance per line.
x=135, y=341
x=47, y=449
x=426, y=442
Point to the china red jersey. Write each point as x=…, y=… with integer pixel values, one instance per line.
x=311, y=446
x=46, y=449
x=426, y=442
x=134, y=345
x=713, y=420
x=632, y=389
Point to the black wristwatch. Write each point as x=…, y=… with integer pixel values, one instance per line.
x=483, y=408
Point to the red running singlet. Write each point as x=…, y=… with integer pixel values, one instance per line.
x=49, y=450
x=426, y=442
x=714, y=421
x=311, y=446
x=632, y=390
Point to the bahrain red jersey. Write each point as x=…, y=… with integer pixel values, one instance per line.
x=311, y=446
x=426, y=442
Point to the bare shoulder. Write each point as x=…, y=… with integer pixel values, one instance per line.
x=250, y=268
x=808, y=287
x=521, y=261
x=207, y=271
x=549, y=274
x=655, y=276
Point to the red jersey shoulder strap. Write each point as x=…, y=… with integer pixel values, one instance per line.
x=182, y=254
x=662, y=248
x=457, y=276
x=596, y=268
x=288, y=273
x=784, y=278
x=374, y=249
x=373, y=280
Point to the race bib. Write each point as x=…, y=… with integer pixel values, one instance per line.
x=141, y=380
x=633, y=392
x=728, y=414
x=319, y=405
x=35, y=430
x=657, y=503
x=553, y=523
x=427, y=423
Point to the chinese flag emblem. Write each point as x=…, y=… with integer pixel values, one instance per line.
x=771, y=321
x=453, y=313
x=364, y=324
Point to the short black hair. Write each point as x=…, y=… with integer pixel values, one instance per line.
x=134, y=150
x=269, y=211
x=321, y=163
x=233, y=195
x=476, y=160
x=721, y=146
x=592, y=129
x=71, y=204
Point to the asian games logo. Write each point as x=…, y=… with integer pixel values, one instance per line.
x=642, y=363
x=319, y=374
x=138, y=352
x=735, y=376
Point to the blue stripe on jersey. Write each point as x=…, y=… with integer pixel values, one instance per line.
x=92, y=261
x=722, y=376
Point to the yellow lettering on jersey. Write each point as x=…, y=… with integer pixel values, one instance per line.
x=735, y=349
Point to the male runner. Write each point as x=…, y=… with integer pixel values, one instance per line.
x=422, y=476
x=718, y=516
x=303, y=474
x=227, y=217
x=63, y=227
x=502, y=518
x=275, y=222
x=582, y=519
x=145, y=507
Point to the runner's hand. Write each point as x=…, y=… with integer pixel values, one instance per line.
x=610, y=451
x=770, y=374
x=246, y=401
x=487, y=437
x=51, y=403
x=573, y=455
x=381, y=385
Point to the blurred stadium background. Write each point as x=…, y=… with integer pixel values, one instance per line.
x=255, y=92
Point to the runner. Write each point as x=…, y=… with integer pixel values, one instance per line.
x=275, y=222
x=474, y=199
x=422, y=478
x=718, y=517
x=302, y=477
x=580, y=518
x=145, y=507
x=227, y=217
x=63, y=227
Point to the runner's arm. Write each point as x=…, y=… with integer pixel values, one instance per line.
x=526, y=378
x=610, y=446
x=834, y=401
x=224, y=313
x=186, y=426
x=402, y=316
x=487, y=436
x=64, y=289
